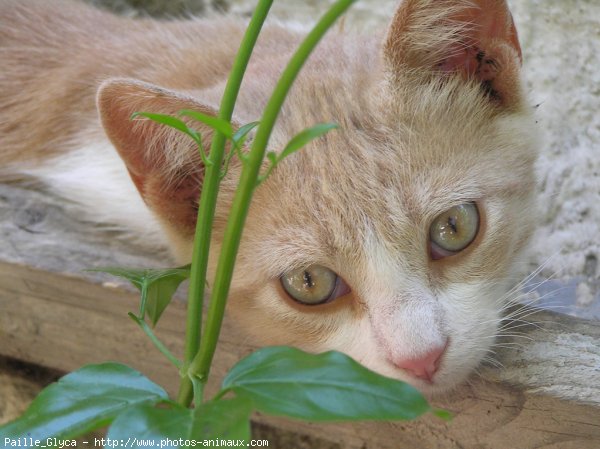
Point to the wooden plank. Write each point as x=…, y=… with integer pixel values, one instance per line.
x=63, y=322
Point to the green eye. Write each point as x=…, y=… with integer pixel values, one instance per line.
x=313, y=285
x=454, y=230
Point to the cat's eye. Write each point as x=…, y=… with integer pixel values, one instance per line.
x=454, y=230
x=313, y=285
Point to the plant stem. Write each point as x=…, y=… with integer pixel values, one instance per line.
x=154, y=339
x=208, y=197
x=200, y=366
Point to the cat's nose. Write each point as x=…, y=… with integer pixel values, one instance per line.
x=425, y=366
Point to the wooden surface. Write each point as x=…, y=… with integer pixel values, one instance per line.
x=546, y=396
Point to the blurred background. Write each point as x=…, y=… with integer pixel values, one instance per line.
x=161, y=8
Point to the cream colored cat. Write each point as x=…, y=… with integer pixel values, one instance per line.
x=391, y=239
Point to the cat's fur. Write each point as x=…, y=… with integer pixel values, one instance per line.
x=431, y=115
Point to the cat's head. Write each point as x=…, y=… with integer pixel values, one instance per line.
x=391, y=239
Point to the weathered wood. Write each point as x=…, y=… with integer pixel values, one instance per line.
x=35, y=230
x=547, y=395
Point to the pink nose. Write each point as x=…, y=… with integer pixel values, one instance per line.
x=426, y=366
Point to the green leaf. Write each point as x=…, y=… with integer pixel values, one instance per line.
x=159, y=286
x=239, y=137
x=227, y=419
x=224, y=127
x=304, y=137
x=173, y=122
x=161, y=290
x=147, y=426
x=324, y=387
x=83, y=400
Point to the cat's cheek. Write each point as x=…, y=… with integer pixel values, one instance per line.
x=473, y=316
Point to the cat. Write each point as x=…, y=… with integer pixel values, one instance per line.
x=392, y=239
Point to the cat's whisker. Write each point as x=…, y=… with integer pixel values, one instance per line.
x=515, y=294
x=491, y=360
x=529, y=307
x=513, y=338
x=510, y=331
x=519, y=325
x=511, y=349
x=519, y=314
x=515, y=335
x=525, y=311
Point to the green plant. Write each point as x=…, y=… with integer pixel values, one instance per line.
x=276, y=380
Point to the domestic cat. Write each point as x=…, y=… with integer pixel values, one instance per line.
x=392, y=238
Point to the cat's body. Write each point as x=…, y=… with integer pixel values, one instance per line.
x=431, y=119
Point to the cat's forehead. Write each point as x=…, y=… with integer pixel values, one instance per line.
x=431, y=145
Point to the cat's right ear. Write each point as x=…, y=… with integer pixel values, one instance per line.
x=474, y=39
x=163, y=163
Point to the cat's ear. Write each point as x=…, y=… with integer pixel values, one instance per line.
x=164, y=164
x=476, y=39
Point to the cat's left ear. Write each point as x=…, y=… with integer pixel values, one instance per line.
x=164, y=164
x=476, y=39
